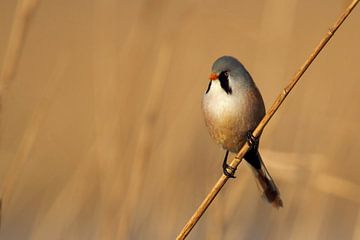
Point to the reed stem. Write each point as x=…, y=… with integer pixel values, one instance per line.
x=278, y=101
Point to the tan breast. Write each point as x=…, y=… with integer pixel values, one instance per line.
x=230, y=117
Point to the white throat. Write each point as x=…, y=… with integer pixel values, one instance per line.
x=219, y=103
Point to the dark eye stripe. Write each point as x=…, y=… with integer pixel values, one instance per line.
x=208, y=89
x=224, y=82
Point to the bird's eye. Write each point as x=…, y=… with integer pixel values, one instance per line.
x=223, y=76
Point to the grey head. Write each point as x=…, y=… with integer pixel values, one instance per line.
x=226, y=63
x=229, y=71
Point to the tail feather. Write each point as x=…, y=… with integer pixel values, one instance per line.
x=267, y=185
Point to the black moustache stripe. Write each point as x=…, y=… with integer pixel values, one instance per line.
x=208, y=89
x=224, y=82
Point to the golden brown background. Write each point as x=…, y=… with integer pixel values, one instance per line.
x=102, y=135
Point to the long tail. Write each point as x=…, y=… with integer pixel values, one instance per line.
x=264, y=180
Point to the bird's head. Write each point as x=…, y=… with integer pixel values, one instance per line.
x=226, y=70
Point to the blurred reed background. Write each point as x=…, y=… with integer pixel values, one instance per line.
x=102, y=135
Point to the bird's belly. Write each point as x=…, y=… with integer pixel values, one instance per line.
x=229, y=133
x=228, y=121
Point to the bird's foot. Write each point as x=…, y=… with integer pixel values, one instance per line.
x=252, y=141
x=229, y=171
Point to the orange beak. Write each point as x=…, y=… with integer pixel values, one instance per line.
x=213, y=76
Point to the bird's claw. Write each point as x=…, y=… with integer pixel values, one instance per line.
x=229, y=171
x=252, y=141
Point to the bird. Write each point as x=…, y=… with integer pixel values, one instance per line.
x=232, y=106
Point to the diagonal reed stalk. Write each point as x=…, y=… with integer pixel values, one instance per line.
x=278, y=101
